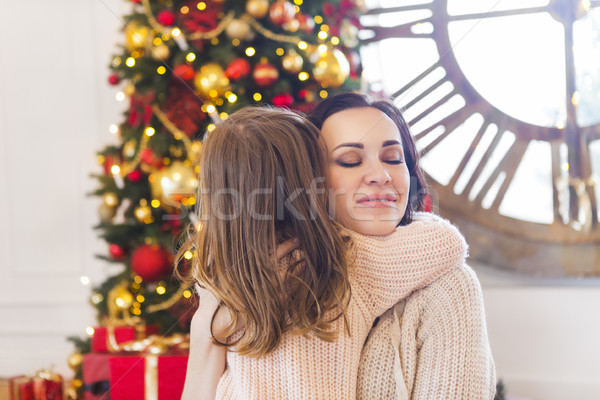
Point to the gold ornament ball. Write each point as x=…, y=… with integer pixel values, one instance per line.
x=75, y=360
x=143, y=213
x=173, y=184
x=211, y=80
x=160, y=52
x=292, y=62
x=257, y=8
x=331, y=69
x=239, y=29
x=137, y=36
x=106, y=212
x=111, y=199
x=129, y=89
x=123, y=297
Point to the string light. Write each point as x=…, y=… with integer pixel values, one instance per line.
x=140, y=298
x=201, y=6
x=223, y=116
x=298, y=2
x=187, y=294
x=113, y=128
x=136, y=311
x=84, y=280
x=90, y=331
x=210, y=109
x=188, y=255
x=137, y=279
x=257, y=96
x=116, y=61
x=323, y=94
x=211, y=127
x=335, y=40
x=155, y=203
x=97, y=298
x=190, y=57
x=303, y=76
x=318, y=19
x=161, y=290
x=322, y=35
x=303, y=45
x=235, y=42
x=184, y=10
x=214, y=41
x=219, y=101
x=279, y=51
x=250, y=51
x=161, y=70
x=120, y=96
x=149, y=131
x=130, y=62
x=110, y=199
x=176, y=32
x=157, y=41
x=232, y=98
x=322, y=49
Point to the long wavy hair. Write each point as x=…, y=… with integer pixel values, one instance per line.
x=261, y=183
x=346, y=101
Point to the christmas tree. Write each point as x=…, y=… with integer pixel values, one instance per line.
x=183, y=67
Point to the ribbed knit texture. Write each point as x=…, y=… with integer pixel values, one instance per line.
x=432, y=345
x=387, y=269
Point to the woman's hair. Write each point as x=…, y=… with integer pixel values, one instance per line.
x=345, y=101
x=260, y=184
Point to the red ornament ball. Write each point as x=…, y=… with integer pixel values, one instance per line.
x=238, y=69
x=184, y=71
x=151, y=262
x=283, y=100
x=307, y=23
x=149, y=158
x=265, y=74
x=282, y=12
x=117, y=252
x=135, y=175
x=113, y=79
x=166, y=17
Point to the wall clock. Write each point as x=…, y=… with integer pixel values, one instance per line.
x=503, y=98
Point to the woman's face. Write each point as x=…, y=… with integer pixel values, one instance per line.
x=367, y=173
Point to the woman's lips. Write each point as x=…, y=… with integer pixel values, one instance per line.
x=377, y=200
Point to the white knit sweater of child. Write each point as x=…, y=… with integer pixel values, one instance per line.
x=386, y=269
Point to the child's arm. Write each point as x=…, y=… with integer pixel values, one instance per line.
x=389, y=268
x=206, y=362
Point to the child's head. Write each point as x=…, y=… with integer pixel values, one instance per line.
x=261, y=183
x=376, y=157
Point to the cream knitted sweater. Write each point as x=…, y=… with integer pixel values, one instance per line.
x=432, y=345
x=387, y=269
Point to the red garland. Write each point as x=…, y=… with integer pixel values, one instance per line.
x=184, y=109
x=140, y=109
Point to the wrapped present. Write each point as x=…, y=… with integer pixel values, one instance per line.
x=96, y=376
x=150, y=375
x=108, y=338
x=44, y=385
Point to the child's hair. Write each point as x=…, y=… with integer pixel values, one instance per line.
x=345, y=101
x=260, y=184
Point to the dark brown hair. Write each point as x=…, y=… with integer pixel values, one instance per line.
x=259, y=180
x=345, y=101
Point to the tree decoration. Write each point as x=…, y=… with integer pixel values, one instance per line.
x=138, y=36
x=117, y=252
x=113, y=79
x=292, y=62
x=211, y=81
x=173, y=185
x=331, y=69
x=281, y=12
x=166, y=17
x=184, y=72
x=151, y=262
x=239, y=29
x=257, y=8
x=265, y=74
x=238, y=68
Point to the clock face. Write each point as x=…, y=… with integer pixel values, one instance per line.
x=503, y=99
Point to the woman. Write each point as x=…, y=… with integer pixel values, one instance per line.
x=434, y=344
x=294, y=330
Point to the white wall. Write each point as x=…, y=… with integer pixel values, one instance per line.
x=55, y=107
x=544, y=333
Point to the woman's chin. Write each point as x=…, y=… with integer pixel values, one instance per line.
x=373, y=227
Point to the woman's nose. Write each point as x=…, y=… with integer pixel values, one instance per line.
x=377, y=174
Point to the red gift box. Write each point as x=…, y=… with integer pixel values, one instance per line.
x=45, y=385
x=149, y=377
x=100, y=338
x=96, y=376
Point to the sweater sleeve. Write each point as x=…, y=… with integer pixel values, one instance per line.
x=389, y=268
x=453, y=358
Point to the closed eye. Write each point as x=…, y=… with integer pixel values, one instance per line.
x=348, y=165
x=394, y=162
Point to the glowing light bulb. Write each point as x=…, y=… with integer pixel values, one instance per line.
x=201, y=6
x=322, y=49
x=322, y=35
x=188, y=255
x=232, y=98
x=190, y=57
x=257, y=96
x=89, y=330
x=303, y=45
x=211, y=127
x=184, y=10
x=140, y=298
x=187, y=294
x=161, y=70
x=323, y=94
x=161, y=290
x=210, y=109
x=130, y=62
x=318, y=19
x=303, y=76
x=176, y=32
x=113, y=128
x=250, y=51
x=120, y=96
x=335, y=40
x=84, y=280
x=155, y=203
x=115, y=169
x=279, y=51
x=150, y=131
x=223, y=116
